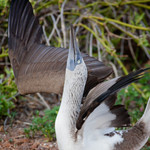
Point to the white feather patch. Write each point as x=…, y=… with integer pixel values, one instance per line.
x=95, y=128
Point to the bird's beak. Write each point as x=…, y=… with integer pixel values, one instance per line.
x=74, y=56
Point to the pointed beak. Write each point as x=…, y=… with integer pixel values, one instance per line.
x=74, y=56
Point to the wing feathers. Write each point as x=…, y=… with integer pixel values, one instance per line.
x=106, y=117
x=122, y=116
x=119, y=83
x=37, y=67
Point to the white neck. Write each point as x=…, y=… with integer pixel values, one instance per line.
x=70, y=107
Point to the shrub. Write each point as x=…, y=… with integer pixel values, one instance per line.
x=7, y=91
x=45, y=124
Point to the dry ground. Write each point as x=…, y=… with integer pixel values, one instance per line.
x=13, y=138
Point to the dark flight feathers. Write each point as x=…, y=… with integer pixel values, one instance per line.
x=121, y=82
x=37, y=67
x=122, y=117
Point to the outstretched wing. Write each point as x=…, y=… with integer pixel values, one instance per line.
x=101, y=95
x=105, y=118
x=37, y=67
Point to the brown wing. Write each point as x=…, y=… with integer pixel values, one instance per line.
x=37, y=67
x=103, y=91
x=102, y=117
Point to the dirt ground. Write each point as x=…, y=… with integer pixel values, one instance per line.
x=13, y=138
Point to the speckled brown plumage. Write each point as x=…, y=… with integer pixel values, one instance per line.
x=133, y=138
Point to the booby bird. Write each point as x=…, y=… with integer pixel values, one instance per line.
x=92, y=126
x=37, y=67
x=41, y=68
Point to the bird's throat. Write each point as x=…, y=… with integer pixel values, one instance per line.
x=70, y=108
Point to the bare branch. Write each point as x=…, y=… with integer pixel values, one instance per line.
x=44, y=102
x=55, y=22
x=114, y=69
x=63, y=24
x=132, y=53
x=91, y=45
x=46, y=38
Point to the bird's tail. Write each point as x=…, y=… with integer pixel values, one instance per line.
x=146, y=117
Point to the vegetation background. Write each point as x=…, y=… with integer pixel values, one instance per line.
x=116, y=32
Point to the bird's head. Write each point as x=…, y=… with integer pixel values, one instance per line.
x=74, y=57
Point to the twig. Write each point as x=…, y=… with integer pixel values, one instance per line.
x=5, y=122
x=20, y=136
x=125, y=31
x=34, y=99
x=132, y=53
x=8, y=111
x=147, y=13
x=114, y=12
x=27, y=123
x=6, y=61
x=122, y=47
x=134, y=2
x=3, y=39
x=146, y=52
x=110, y=20
x=3, y=64
x=135, y=38
x=95, y=27
x=5, y=34
x=87, y=42
x=11, y=98
x=147, y=32
x=114, y=69
x=63, y=24
x=114, y=35
x=47, y=41
x=3, y=55
x=78, y=20
x=145, y=48
x=91, y=41
x=44, y=102
x=143, y=6
x=55, y=22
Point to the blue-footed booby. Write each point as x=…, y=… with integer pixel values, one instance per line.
x=91, y=126
x=87, y=124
